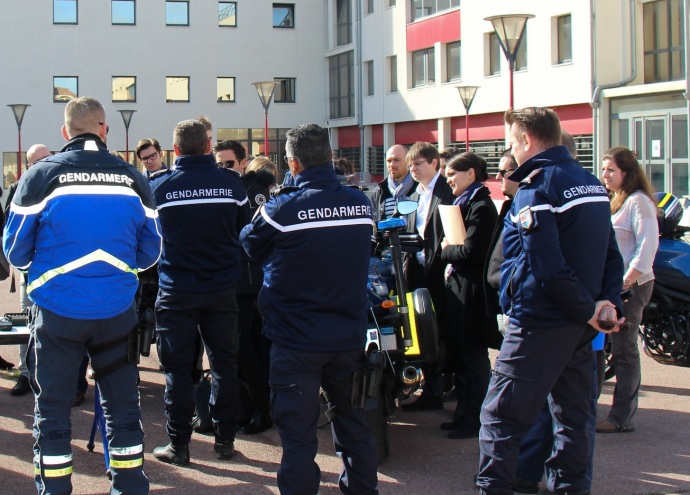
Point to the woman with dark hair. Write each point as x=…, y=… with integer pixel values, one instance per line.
x=634, y=218
x=469, y=323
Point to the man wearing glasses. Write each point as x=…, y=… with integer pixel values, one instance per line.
x=149, y=153
x=426, y=269
x=230, y=154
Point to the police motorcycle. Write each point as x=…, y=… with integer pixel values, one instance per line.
x=665, y=326
x=401, y=336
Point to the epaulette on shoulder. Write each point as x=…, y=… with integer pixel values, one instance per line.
x=528, y=180
x=285, y=190
x=159, y=173
x=231, y=171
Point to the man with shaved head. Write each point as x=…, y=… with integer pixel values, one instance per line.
x=82, y=224
x=397, y=186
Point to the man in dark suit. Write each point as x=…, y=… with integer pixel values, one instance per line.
x=425, y=269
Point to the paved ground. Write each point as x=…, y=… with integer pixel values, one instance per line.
x=653, y=460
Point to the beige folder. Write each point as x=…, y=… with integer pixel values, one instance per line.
x=453, y=226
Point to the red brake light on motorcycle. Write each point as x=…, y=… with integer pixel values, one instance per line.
x=387, y=304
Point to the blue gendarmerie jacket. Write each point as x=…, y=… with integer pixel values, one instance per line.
x=314, y=245
x=202, y=209
x=560, y=250
x=82, y=223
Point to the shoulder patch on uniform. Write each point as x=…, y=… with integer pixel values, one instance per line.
x=160, y=173
x=527, y=220
x=230, y=171
x=528, y=179
x=286, y=190
x=260, y=199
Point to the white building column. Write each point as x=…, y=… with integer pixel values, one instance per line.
x=443, y=126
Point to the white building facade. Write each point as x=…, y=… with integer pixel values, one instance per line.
x=376, y=72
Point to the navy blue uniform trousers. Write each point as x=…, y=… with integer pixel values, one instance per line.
x=180, y=317
x=536, y=364
x=295, y=378
x=58, y=346
x=537, y=445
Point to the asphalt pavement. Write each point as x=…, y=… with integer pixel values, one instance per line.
x=655, y=459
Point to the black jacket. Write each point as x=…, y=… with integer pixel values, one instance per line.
x=258, y=188
x=470, y=317
x=314, y=245
x=201, y=209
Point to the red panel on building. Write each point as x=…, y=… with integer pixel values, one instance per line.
x=576, y=119
x=348, y=137
x=483, y=127
x=377, y=135
x=413, y=131
x=442, y=28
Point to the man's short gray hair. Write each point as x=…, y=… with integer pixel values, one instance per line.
x=83, y=114
x=190, y=138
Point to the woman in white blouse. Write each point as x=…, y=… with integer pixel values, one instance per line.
x=634, y=218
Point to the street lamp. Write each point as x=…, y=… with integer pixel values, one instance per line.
x=18, y=109
x=265, y=90
x=127, y=118
x=467, y=96
x=510, y=29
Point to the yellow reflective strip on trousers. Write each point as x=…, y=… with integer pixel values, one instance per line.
x=97, y=255
x=54, y=473
x=126, y=464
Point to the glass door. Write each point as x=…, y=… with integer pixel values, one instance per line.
x=654, y=149
x=661, y=143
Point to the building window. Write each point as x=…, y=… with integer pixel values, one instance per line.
x=176, y=89
x=227, y=14
x=225, y=89
x=369, y=73
x=423, y=68
x=124, y=88
x=283, y=15
x=393, y=74
x=368, y=6
x=425, y=8
x=65, y=12
x=494, y=66
x=285, y=90
x=341, y=81
x=664, y=56
x=344, y=22
x=65, y=88
x=176, y=13
x=122, y=12
x=565, y=39
x=453, y=69
x=390, y=3
x=521, y=56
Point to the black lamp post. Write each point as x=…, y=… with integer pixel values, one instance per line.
x=265, y=90
x=127, y=119
x=510, y=30
x=18, y=109
x=467, y=96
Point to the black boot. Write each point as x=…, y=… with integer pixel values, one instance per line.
x=5, y=365
x=22, y=387
x=172, y=454
x=225, y=450
x=261, y=421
